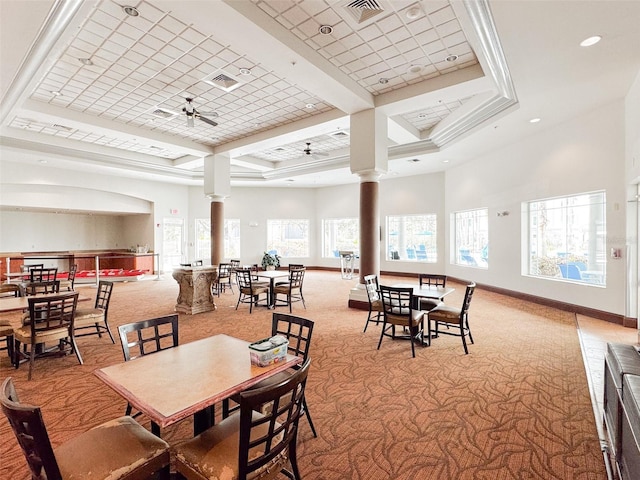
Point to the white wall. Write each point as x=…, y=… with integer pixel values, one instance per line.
x=51, y=187
x=256, y=205
x=583, y=155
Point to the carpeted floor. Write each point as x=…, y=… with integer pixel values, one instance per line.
x=516, y=407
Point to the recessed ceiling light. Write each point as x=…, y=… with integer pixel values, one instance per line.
x=55, y=93
x=414, y=69
x=413, y=160
x=587, y=42
x=325, y=29
x=245, y=71
x=383, y=81
x=422, y=115
x=413, y=13
x=451, y=58
x=534, y=120
x=131, y=11
x=85, y=61
x=42, y=161
x=445, y=161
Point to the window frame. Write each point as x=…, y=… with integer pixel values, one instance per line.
x=588, y=268
x=404, y=245
x=470, y=254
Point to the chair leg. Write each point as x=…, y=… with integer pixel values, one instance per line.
x=308, y=415
x=32, y=359
x=413, y=331
x=106, y=324
x=381, y=334
x=74, y=346
x=293, y=459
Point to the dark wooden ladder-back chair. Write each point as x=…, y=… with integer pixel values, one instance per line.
x=454, y=317
x=266, y=441
x=95, y=321
x=146, y=337
x=119, y=449
x=375, y=302
x=398, y=304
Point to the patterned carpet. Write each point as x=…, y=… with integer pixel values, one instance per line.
x=516, y=407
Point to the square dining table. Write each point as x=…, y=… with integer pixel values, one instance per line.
x=272, y=275
x=173, y=384
x=427, y=291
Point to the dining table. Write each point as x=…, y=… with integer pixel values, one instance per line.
x=427, y=291
x=188, y=380
x=17, y=304
x=272, y=275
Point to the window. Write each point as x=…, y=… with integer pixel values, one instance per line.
x=340, y=234
x=289, y=238
x=231, y=238
x=471, y=238
x=203, y=239
x=412, y=238
x=567, y=238
x=172, y=243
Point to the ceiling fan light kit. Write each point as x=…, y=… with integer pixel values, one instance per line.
x=191, y=113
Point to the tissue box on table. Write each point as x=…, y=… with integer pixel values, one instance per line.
x=266, y=351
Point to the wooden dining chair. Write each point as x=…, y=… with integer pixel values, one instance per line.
x=250, y=444
x=223, y=281
x=69, y=283
x=376, y=309
x=144, y=338
x=42, y=280
x=51, y=319
x=398, y=311
x=291, y=289
x=249, y=291
x=6, y=329
x=95, y=320
x=120, y=449
x=454, y=317
x=298, y=331
x=431, y=280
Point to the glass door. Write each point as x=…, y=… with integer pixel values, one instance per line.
x=172, y=243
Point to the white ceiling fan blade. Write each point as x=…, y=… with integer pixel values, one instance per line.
x=189, y=121
x=206, y=120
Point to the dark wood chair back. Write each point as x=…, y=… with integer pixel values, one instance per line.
x=432, y=280
x=398, y=311
x=51, y=313
x=149, y=336
x=372, y=287
x=29, y=428
x=298, y=331
x=293, y=266
x=103, y=295
x=276, y=430
x=43, y=280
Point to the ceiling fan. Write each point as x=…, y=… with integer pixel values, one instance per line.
x=192, y=113
x=307, y=151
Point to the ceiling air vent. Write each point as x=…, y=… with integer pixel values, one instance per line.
x=222, y=80
x=339, y=135
x=363, y=10
x=163, y=113
x=62, y=127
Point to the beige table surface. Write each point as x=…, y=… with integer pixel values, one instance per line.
x=427, y=291
x=15, y=304
x=173, y=384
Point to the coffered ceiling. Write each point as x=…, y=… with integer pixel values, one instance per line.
x=92, y=85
